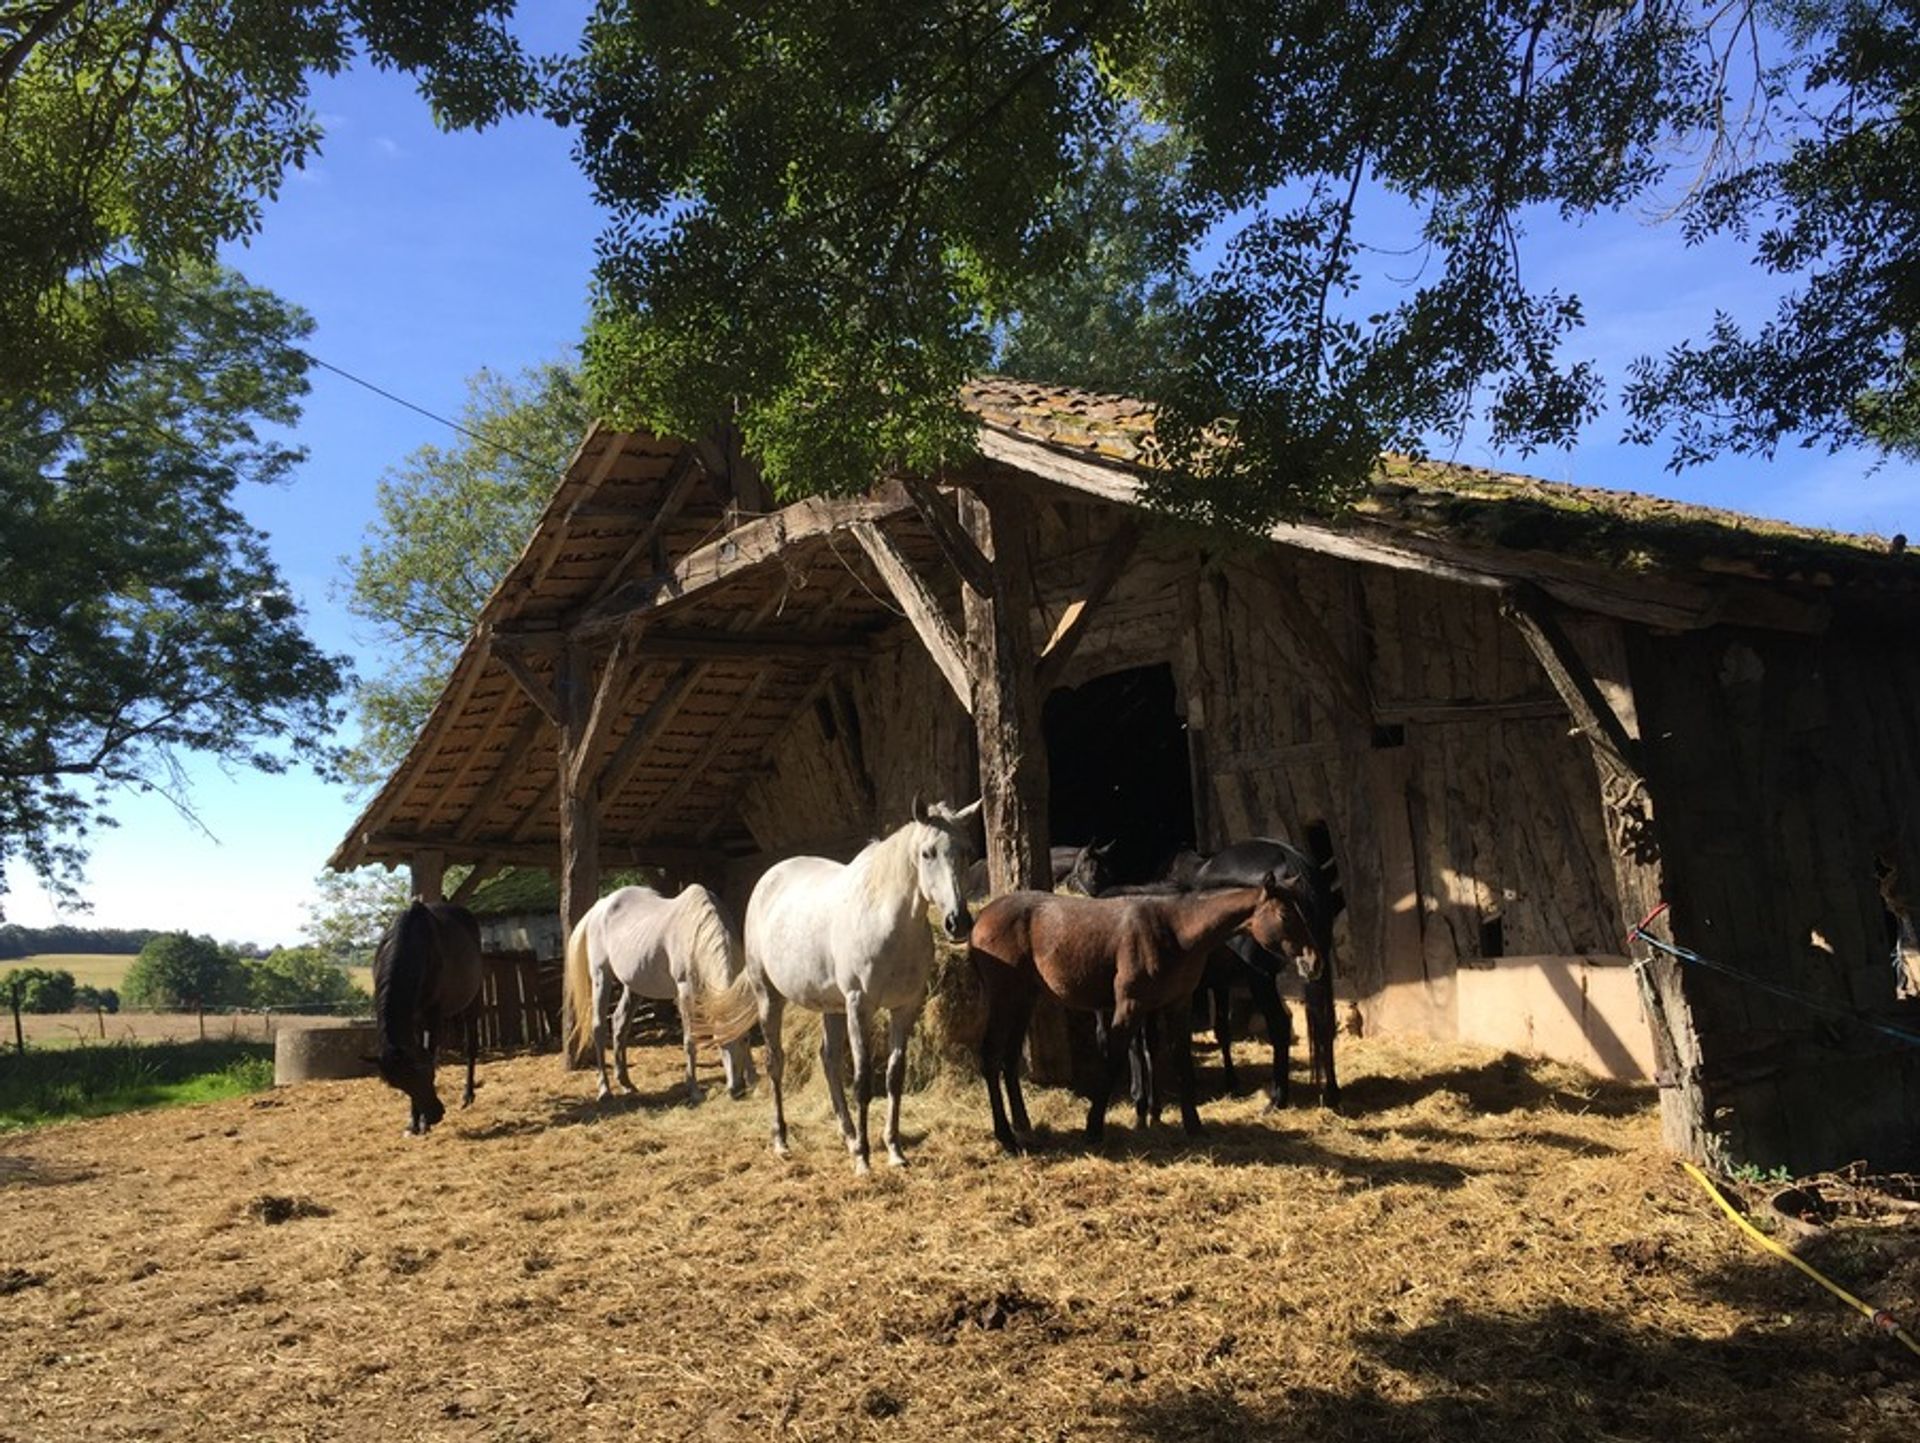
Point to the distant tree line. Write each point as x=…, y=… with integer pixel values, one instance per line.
x=18, y=941
x=178, y=971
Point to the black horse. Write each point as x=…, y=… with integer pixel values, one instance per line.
x=426, y=974
x=1078, y=869
x=1244, y=961
x=1261, y=970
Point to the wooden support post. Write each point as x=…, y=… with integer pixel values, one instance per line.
x=429, y=875
x=1685, y=1106
x=579, y=806
x=1006, y=719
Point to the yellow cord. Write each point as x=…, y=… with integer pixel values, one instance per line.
x=1881, y=1319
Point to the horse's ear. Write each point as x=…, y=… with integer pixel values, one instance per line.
x=966, y=813
x=918, y=811
x=1270, y=884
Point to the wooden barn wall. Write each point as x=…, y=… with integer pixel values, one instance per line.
x=1787, y=776
x=1461, y=819
x=1459, y=828
x=848, y=766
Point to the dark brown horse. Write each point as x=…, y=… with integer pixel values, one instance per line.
x=1125, y=957
x=426, y=975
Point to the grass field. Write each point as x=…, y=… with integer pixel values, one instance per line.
x=1472, y=1247
x=89, y=969
x=97, y=1081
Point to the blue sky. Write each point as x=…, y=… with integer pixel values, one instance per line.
x=425, y=256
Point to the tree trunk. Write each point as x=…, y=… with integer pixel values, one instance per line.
x=1006, y=718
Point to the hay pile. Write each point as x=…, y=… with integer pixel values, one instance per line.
x=1478, y=1248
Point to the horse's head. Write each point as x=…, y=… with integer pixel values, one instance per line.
x=942, y=846
x=408, y=1072
x=1282, y=922
x=736, y=1060
x=1092, y=871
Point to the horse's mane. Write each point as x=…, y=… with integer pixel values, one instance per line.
x=868, y=862
x=399, y=970
x=711, y=945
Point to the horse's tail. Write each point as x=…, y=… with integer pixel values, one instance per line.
x=727, y=1015
x=577, y=990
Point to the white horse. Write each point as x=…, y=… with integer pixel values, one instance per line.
x=655, y=947
x=846, y=941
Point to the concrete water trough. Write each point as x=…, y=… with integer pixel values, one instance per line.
x=324, y=1052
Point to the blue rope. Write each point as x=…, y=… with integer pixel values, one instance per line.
x=1817, y=1004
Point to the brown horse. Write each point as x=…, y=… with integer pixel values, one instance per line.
x=1123, y=956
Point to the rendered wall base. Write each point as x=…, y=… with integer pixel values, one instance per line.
x=1580, y=1010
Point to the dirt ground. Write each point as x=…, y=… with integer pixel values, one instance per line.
x=1472, y=1248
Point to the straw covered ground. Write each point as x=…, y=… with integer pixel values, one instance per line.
x=1473, y=1248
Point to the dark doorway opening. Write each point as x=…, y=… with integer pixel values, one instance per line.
x=1117, y=759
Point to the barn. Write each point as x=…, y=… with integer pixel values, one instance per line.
x=1516, y=716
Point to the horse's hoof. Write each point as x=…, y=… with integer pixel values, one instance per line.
x=862, y=1168
x=605, y=1094
x=896, y=1158
x=781, y=1150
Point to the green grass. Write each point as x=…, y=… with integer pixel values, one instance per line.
x=89, y=969
x=97, y=1081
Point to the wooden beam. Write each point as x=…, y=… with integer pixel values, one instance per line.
x=923, y=611
x=723, y=453
x=542, y=854
x=726, y=805
x=696, y=770
x=742, y=550
x=557, y=541
x=466, y=674
x=609, y=697
x=1670, y=602
x=961, y=550
x=452, y=785
x=620, y=766
x=1440, y=712
x=579, y=808
x=1530, y=613
x=675, y=487
x=1072, y=626
x=482, y=871
x=667, y=643
x=428, y=868
x=537, y=690
x=1013, y=753
x=532, y=726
